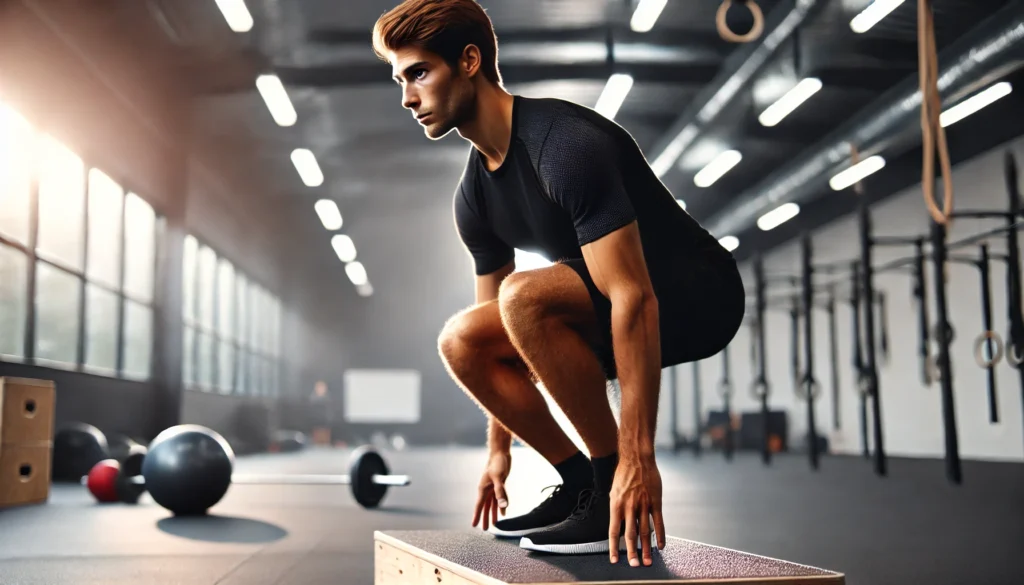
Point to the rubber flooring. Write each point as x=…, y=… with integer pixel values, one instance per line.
x=909, y=527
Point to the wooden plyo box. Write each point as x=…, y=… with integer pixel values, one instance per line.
x=443, y=557
x=26, y=440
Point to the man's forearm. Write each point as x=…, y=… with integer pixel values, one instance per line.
x=499, y=440
x=637, y=348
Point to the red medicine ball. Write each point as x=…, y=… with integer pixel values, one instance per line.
x=102, y=480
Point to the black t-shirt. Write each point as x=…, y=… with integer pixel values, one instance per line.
x=571, y=176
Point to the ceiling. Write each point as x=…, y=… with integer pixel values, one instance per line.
x=373, y=155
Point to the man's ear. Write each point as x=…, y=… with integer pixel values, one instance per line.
x=470, y=61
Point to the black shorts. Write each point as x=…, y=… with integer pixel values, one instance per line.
x=701, y=305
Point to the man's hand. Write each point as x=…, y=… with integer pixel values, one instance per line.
x=635, y=497
x=491, y=493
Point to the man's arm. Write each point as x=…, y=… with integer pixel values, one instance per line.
x=616, y=263
x=487, y=285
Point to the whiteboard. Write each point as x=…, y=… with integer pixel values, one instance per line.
x=382, y=396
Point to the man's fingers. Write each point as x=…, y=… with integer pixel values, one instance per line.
x=499, y=493
x=494, y=513
x=645, y=532
x=613, y=533
x=659, y=527
x=488, y=502
x=631, y=535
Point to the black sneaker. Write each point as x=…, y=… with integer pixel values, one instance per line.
x=557, y=507
x=585, y=531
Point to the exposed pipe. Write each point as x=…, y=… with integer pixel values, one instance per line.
x=737, y=71
x=979, y=57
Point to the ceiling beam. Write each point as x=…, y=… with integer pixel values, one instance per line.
x=365, y=74
x=677, y=38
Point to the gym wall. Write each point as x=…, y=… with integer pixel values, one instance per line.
x=911, y=411
x=427, y=279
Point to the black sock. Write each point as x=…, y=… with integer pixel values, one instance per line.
x=604, y=472
x=576, y=472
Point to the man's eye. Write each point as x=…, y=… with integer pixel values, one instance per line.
x=419, y=73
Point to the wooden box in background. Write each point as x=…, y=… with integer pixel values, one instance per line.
x=26, y=440
x=26, y=411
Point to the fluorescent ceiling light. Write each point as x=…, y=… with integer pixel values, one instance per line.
x=730, y=243
x=615, y=92
x=309, y=170
x=365, y=290
x=344, y=247
x=975, y=103
x=646, y=14
x=873, y=14
x=237, y=15
x=722, y=164
x=356, y=273
x=857, y=173
x=681, y=203
x=790, y=102
x=778, y=216
x=276, y=98
x=329, y=214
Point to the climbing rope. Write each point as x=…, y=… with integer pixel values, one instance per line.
x=934, y=135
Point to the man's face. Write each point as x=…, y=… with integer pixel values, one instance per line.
x=439, y=98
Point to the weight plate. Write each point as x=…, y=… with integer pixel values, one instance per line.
x=364, y=464
x=129, y=492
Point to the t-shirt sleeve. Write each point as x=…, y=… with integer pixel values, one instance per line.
x=580, y=169
x=488, y=251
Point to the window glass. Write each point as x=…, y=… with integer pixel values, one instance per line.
x=138, y=340
x=13, y=300
x=105, y=200
x=57, y=295
x=101, y=319
x=16, y=150
x=61, y=203
x=140, y=248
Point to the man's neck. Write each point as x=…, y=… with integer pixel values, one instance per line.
x=491, y=130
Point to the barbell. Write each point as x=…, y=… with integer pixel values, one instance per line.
x=189, y=469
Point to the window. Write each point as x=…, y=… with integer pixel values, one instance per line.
x=101, y=318
x=57, y=322
x=61, y=204
x=138, y=333
x=232, y=336
x=93, y=258
x=105, y=200
x=16, y=148
x=13, y=300
x=140, y=247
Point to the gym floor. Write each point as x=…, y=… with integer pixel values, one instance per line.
x=911, y=527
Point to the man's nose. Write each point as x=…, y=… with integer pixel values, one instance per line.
x=409, y=99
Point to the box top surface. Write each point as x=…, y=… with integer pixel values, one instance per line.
x=502, y=561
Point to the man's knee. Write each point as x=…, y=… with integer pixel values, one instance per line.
x=520, y=295
x=468, y=333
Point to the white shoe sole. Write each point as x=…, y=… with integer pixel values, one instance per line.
x=584, y=548
x=518, y=533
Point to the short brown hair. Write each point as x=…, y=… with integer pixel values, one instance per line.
x=443, y=27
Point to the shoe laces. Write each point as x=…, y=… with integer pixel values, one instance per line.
x=583, y=504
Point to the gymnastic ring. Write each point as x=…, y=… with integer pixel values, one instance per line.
x=725, y=389
x=1012, y=357
x=759, y=389
x=755, y=31
x=997, y=354
x=808, y=387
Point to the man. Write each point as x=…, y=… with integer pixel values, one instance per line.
x=637, y=284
